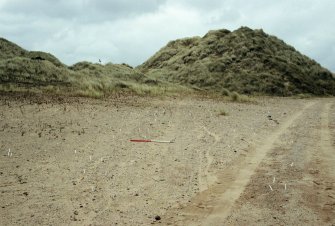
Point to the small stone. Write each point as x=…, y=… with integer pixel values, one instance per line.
x=157, y=218
x=25, y=193
x=75, y=212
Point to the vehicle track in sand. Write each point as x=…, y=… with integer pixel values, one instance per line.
x=323, y=173
x=206, y=177
x=302, y=161
x=212, y=206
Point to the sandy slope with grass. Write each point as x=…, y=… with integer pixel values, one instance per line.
x=69, y=161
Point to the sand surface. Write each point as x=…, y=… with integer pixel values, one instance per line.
x=70, y=161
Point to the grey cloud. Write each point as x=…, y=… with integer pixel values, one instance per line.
x=81, y=10
x=42, y=8
x=199, y=4
x=125, y=6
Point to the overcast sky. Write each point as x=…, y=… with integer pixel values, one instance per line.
x=131, y=31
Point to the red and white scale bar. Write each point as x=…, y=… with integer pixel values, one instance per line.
x=156, y=141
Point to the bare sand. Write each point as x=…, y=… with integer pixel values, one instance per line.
x=70, y=162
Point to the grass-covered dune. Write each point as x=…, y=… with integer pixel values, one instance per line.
x=39, y=72
x=245, y=61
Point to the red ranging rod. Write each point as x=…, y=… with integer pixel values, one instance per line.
x=156, y=141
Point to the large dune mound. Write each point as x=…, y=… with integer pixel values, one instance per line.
x=245, y=60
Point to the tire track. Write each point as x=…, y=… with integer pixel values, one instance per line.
x=212, y=206
x=325, y=141
x=210, y=178
x=205, y=177
x=325, y=179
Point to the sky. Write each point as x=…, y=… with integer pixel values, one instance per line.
x=125, y=31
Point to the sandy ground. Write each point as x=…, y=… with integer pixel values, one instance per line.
x=70, y=162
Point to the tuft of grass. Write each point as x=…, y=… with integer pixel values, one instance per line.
x=225, y=92
x=303, y=96
x=236, y=97
x=121, y=85
x=88, y=93
x=166, y=89
x=223, y=112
